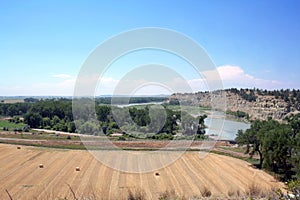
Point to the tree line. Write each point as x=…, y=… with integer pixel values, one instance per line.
x=277, y=144
x=290, y=96
x=56, y=114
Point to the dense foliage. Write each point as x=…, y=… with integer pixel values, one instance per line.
x=277, y=144
x=126, y=100
x=246, y=94
x=239, y=114
x=292, y=97
x=56, y=114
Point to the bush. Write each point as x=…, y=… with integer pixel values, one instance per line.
x=168, y=195
x=122, y=138
x=294, y=187
x=206, y=192
x=200, y=137
x=17, y=129
x=136, y=195
x=254, y=191
x=163, y=136
x=26, y=128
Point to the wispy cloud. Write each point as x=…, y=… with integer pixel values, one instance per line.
x=235, y=77
x=228, y=75
x=63, y=76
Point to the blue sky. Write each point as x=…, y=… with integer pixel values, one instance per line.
x=43, y=44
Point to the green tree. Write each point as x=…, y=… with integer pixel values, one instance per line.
x=170, y=125
x=294, y=122
x=12, y=110
x=89, y=128
x=33, y=119
x=252, y=138
x=276, y=145
x=102, y=113
x=277, y=151
x=71, y=127
x=55, y=120
x=296, y=156
x=140, y=116
x=201, y=126
x=46, y=122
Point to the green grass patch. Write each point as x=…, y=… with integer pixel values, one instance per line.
x=252, y=161
x=40, y=136
x=190, y=109
x=56, y=146
x=4, y=123
x=237, y=149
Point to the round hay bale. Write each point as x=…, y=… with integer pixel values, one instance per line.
x=18, y=147
x=77, y=169
x=41, y=166
x=157, y=174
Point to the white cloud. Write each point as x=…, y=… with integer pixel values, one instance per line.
x=235, y=77
x=225, y=76
x=228, y=72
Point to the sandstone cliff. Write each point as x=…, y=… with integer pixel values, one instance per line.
x=258, y=104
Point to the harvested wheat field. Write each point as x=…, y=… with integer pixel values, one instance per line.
x=76, y=174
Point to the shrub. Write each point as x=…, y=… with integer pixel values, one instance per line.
x=254, y=191
x=294, y=187
x=136, y=195
x=167, y=195
x=206, y=192
x=122, y=138
x=163, y=136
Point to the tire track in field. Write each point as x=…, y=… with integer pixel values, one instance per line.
x=232, y=178
x=124, y=179
x=106, y=181
x=55, y=177
x=86, y=167
x=90, y=187
x=17, y=177
x=30, y=183
x=209, y=175
x=13, y=163
x=174, y=184
x=113, y=187
x=67, y=176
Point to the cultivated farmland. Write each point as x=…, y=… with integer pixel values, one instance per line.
x=77, y=174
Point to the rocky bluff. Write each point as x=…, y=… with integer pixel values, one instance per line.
x=256, y=103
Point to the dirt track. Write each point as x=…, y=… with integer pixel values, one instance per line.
x=21, y=176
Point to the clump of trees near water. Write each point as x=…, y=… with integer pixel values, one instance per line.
x=277, y=144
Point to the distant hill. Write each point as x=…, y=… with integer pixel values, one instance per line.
x=254, y=103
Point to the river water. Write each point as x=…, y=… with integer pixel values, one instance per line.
x=221, y=127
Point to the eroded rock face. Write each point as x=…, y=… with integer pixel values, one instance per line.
x=263, y=107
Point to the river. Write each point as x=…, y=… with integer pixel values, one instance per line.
x=221, y=127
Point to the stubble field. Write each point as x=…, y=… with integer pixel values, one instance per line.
x=22, y=178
